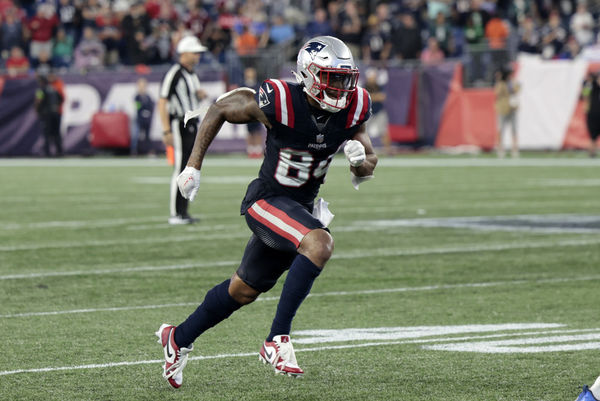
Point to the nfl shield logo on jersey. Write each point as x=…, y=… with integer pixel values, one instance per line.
x=320, y=138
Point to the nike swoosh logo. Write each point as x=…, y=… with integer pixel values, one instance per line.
x=269, y=89
x=168, y=350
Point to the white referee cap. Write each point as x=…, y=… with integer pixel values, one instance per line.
x=190, y=44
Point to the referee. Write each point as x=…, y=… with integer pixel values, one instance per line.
x=180, y=92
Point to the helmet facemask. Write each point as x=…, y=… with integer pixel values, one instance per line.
x=332, y=88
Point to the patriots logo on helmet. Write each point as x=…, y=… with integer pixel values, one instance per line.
x=313, y=48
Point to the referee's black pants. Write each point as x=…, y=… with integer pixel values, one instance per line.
x=183, y=142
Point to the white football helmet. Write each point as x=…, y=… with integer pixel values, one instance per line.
x=326, y=69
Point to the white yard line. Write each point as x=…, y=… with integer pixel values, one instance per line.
x=309, y=349
x=151, y=222
x=356, y=254
x=120, y=242
x=377, y=225
x=117, y=270
x=322, y=294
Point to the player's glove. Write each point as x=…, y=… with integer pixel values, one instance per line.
x=355, y=153
x=189, y=182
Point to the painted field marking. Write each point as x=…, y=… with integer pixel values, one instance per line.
x=120, y=242
x=502, y=327
x=211, y=179
x=550, y=224
x=194, y=265
x=356, y=254
x=472, y=222
x=316, y=295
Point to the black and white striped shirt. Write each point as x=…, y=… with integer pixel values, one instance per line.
x=179, y=87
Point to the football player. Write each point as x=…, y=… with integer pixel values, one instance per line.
x=307, y=122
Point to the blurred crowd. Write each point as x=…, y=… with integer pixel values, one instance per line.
x=92, y=34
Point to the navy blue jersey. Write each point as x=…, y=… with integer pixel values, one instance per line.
x=297, y=153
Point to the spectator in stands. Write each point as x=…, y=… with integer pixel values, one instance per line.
x=40, y=30
x=319, y=25
x=405, y=42
x=67, y=16
x=565, y=9
x=158, y=45
x=281, y=31
x=196, y=19
x=246, y=43
x=217, y=43
x=571, y=49
x=137, y=20
x=109, y=33
x=17, y=65
x=506, y=90
x=350, y=26
x=62, y=52
x=254, y=14
x=373, y=40
x=140, y=50
x=385, y=21
x=496, y=32
x=529, y=37
x=582, y=25
x=89, y=54
x=163, y=10
x=432, y=54
x=440, y=29
x=10, y=31
x=333, y=14
x=90, y=11
x=554, y=36
x=474, y=29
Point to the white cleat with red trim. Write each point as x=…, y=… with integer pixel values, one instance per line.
x=280, y=354
x=175, y=357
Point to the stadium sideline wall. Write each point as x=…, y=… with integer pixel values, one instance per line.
x=427, y=105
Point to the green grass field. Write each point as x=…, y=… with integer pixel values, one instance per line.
x=464, y=278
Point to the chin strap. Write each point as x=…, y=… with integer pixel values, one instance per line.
x=357, y=180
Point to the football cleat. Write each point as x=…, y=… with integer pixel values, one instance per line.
x=280, y=354
x=175, y=357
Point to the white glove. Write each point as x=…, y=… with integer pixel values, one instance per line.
x=355, y=153
x=189, y=182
